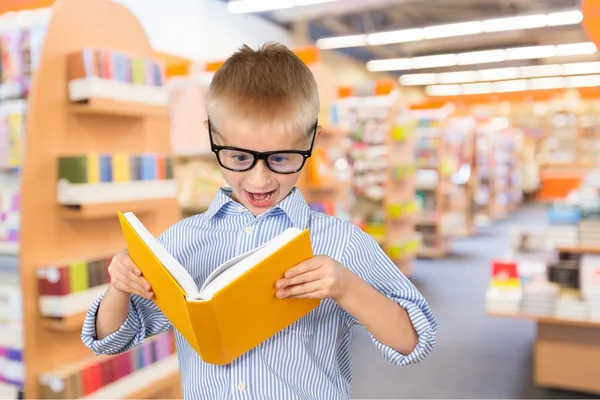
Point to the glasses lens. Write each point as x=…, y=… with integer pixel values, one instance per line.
x=285, y=162
x=236, y=160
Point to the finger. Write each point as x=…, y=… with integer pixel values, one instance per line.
x=319, y=294
x=310, y=276
x=133, y=283
x=305, y=266
x=302, y=289
x=128, y=263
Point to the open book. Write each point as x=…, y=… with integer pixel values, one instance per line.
x=235, y=309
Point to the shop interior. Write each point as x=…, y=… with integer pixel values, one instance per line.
x=463, y=135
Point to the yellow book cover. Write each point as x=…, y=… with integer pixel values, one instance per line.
x=121, y=167
x=235, y=309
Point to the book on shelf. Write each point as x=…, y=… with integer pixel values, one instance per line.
x=236, y=308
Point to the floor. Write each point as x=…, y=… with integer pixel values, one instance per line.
x=476, y=356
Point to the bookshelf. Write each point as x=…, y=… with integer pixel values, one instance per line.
x=51, y=231
x=383, y=170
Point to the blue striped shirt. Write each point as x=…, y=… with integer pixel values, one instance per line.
x=311, y=359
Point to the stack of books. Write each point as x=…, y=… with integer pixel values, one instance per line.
x=589, y=281
x=589, y=233
x=12, y=370
x=69, y=287
x=99, y=178
x=504, y=294
x=83, y=378
x=563, y=235
x=539, y=298
x=570, y=305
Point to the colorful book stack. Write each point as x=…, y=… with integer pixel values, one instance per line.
x=103, y=73
x=9, y=213
x=504, y=294
x=118, y=167
x=21, y=37
x=70, y=287
x=92, y=374
x=11, y=331
x=100, y=178
x=12, y=131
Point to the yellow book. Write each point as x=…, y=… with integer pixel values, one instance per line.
x=121, y=167
x=235, y=309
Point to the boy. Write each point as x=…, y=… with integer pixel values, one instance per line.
x=262, y=107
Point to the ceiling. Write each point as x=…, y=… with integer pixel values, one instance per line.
x=348, y=17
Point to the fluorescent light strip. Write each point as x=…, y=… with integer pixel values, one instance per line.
x=482, y=57
x=499, y=74
x=517, y=85
x=523, y=22
x=255, y=6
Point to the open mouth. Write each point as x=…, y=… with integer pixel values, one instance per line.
x=263, y=199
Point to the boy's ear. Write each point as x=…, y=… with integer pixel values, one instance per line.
x=319, y=131
x=205, y=123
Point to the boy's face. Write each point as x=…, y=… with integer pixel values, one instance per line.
x=258, y=189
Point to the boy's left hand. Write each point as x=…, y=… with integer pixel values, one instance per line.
x=319, y=277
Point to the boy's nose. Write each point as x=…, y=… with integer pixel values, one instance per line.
x=260, y=175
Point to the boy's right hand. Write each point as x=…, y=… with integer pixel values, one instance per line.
x=125, y=276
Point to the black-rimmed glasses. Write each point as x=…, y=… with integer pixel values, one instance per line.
x=280, y=161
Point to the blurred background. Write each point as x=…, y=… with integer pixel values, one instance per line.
x=462, y=134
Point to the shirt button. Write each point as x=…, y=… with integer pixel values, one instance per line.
x=239, y=209
x=241, y=386
x=248, y=230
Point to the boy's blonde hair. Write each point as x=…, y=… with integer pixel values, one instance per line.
x=270, y=85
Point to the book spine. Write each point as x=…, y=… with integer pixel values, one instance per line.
x=54, y=281
x=207, y=339
x=74, y=169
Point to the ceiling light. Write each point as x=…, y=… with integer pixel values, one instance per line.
x=564, y=18
x=516, y=85
x=341, y=42
x=457, y=77
x=523, y=22
x=477, y=88
x=418, y=79
x=583, y=81
x=395, y=64
x=481, y=57
x=546, y=83
x=405, y=35
x=536, y=71
x=576, y=49
x=443, y=90
x=452, y=30
x=435, y=61
x=531, y=52
x=514, y=23
x=581, y=68
x=255, y=6
x=502, y=74
x=497, y=74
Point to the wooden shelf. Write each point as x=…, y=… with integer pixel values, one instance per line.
x=72, y=323
x=147, y=383
x=107, y=210
x=547, y=320
x=581, y=250
x=101, y=106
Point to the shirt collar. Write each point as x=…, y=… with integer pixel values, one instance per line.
x=294, y=206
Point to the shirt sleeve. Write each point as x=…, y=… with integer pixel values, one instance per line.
x=364, y=257
x=143, y=320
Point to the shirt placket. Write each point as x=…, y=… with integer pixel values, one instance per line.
x=240, y=368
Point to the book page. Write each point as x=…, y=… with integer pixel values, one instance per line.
x=177, y=271
x=235, y=271
x=228, y=264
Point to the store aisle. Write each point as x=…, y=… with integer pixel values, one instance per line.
x=476, y=356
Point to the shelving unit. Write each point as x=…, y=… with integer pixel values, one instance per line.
x=437, y=220
x=383, y=168
x=50, y=231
